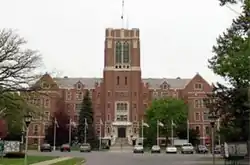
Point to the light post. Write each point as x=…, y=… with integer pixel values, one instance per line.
x=27, y=120
x=213, y=118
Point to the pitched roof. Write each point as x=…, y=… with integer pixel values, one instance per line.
x=153, y=83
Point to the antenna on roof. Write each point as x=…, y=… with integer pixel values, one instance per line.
x=122, y=16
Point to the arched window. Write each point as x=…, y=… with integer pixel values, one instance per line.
x=118, y=52
x=125, y=52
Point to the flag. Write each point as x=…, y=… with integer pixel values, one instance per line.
x=144, y=124
x=86, y=123
x=173, y=124
x=101, y=123
x=160, y=124
x=56, y=123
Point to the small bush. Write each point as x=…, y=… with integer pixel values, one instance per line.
x=14, y=155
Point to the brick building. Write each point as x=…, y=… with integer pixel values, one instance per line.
x=122, y=95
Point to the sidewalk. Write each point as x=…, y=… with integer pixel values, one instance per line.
x=48, y=162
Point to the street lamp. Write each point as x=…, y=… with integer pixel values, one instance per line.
x=213, y=117
x=27, y=120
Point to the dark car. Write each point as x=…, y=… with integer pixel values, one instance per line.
x=202, y=149
x=45, y=147
x=65, y=147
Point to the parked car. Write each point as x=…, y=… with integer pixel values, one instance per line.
x=187, y=148
x=202, y=149
x=171, y=149
x=138, y=149
x=65, y=147
x=45, y=147
x=217, y=149
x=85, y=147
x=155, y=149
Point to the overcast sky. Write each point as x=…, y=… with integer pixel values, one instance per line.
x=176, y=35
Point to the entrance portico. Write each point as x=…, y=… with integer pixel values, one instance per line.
x=122, y=129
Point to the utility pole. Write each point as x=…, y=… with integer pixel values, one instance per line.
x=85, y=130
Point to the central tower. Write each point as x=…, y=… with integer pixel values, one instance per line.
x=122, y=83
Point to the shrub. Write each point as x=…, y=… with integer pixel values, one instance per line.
x=14, y=155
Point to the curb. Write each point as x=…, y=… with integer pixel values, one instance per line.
x=83, y=161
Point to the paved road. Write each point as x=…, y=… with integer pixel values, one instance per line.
x=128, y=158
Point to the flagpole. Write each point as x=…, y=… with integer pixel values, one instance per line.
x=172, y=132
x=157, y=134
x=142, y=132
x=188, y=130
x=100, y=136
x=85, y=130
x=70, y=131
x=54, y=143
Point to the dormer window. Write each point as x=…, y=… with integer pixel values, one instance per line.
x=78, y=86
x=45, y=85
x=164, y=85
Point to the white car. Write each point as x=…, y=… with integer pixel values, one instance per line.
x=155, y=149
x=187, y=148
x=171, y=149
x=138, y=149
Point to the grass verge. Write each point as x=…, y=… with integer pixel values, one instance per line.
x=74, y=161
x=20, y=161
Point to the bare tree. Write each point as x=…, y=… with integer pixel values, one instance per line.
x=18, y=65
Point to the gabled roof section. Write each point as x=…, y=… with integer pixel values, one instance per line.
x=68, y=83
x=198, y=76
x=175, y=83
x=46, y=78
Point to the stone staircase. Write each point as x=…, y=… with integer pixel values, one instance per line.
x=121, y=144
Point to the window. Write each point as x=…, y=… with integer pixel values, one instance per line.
x=135, y=93
x=118, y=52
x=205, y=116
x=121, y=107
x=197, y=129
x=46, y=115
x=117, y=80
x=122, y=118
x=78, y=107
x=36, y=117
x=46, y=104
x=135, y=130
x=98, y=94
x=45, y=85
x=197, y=116
x=109, y=93
x=108, y=117
x=108, y=105
x=78, y=86
x=69, y=96
x=165, y=86
x=108, y=130
x=155, y=94
x=198, y=103
x=198, y=86
x=207, y=130
x=134, y=106
x=76, y=118
x=126, y=80
x=46, y=127
x=125, y=52
x=79, y=95
x=36, y=129
x=145, y=106
x=135, y=118
x=164, y=94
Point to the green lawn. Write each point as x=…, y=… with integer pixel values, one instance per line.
x=20, y=161
x=74, y=161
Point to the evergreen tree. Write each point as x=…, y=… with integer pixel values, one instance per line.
x=86, y=120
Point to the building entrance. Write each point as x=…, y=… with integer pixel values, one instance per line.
x=121, y=132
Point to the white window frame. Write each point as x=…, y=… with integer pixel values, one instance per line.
x=199, y=88
x=195, y=116
x=126, y=112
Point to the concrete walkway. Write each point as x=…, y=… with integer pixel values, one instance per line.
x=48, y=162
